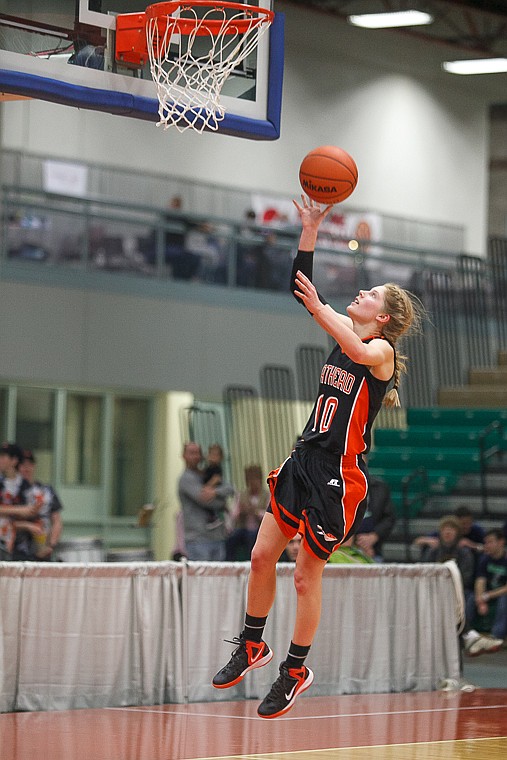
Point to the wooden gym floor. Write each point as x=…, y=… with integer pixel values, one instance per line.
x=413, y=726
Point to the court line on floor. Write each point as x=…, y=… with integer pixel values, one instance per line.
x=266, y=755
x=311, y=717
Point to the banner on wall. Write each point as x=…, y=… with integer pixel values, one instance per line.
x=336, y=231
x=65, y=178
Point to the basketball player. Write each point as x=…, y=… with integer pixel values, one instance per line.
x=320, y=490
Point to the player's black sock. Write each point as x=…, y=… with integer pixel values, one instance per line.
x=297, y=655
x=254, y=627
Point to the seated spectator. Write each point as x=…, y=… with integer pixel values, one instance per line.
x=425, y=543
x=246, y=515
x=46, y=526
x=378, y=521
x=487, y=608
x=291, y=551
x=472, y=534
x=449, y=547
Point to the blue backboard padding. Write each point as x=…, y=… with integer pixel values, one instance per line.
x=139, y=107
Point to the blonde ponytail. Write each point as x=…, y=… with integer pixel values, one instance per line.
x=406, y=313
x=392, y=397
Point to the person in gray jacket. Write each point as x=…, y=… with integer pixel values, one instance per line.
x=204, y=539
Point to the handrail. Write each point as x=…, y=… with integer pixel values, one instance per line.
x=399, y=253
x=486, y=454
x=406, y=503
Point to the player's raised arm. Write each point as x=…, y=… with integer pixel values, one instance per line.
x=311, y=217
x=376, y=353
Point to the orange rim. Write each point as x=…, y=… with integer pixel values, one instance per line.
x=253, y=15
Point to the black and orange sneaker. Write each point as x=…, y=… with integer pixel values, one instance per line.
x=247, y=656
x=283, y=693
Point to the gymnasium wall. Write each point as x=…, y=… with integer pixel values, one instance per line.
x=90, y=338
x=420, y=136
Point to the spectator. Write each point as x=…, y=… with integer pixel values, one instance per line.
x=487, y=608
x=206, y=246
x=204, y=541
x=213, y=473
x=182, y=267
x=291, y=551
x=472, y=534
x=278, y=262
x=449, y=547
x=425, y=543
x=89, y=56
x=252, y=269
x=47, y=523
x=15, y=543
x=247, y=514
x=378, y=521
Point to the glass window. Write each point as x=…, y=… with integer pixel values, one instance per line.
x=35, y=426
x=130, y=455
x=83, y=439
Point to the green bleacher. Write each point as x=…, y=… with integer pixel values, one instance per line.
x=445, y=442
x=454, y=417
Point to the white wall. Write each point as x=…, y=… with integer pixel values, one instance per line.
x=419, y=136
x=86, y=338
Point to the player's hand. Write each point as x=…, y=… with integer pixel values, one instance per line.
x=307, y=293
x=310, y=212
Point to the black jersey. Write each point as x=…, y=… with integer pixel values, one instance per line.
x=348, y=401
x=349, y=396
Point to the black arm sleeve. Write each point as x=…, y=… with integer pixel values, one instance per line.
x=304, y=263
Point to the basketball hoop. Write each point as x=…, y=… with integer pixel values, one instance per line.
x=189, y=82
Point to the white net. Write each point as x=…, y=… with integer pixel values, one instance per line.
x=192, y=52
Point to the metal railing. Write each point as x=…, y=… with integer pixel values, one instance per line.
x=486, y=452
x=410, y=500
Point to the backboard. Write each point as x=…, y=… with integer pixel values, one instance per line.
x=63, y=51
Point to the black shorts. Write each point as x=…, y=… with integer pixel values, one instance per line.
x=321, y=496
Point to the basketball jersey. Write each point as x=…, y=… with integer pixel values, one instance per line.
x=348, y=401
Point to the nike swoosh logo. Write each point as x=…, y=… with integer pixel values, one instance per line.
x=256, y=657
x=288, y=696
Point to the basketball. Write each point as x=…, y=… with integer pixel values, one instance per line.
x=328, y=174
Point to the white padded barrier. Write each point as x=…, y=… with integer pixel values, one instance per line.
x=114, y=634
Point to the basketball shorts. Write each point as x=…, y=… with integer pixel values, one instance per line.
x=321, y=496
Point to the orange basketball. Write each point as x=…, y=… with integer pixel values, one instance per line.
x=328, y=174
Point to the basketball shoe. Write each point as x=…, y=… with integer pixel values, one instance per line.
x=283, y=693
x=483, y=645
x=247, y=656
